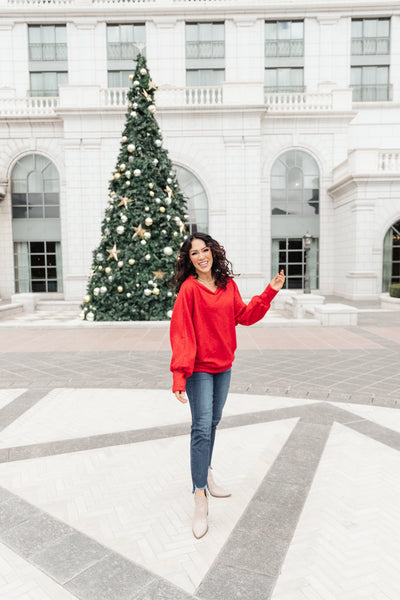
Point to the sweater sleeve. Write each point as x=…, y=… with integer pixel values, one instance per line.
x=248, y=314
x=183, y=340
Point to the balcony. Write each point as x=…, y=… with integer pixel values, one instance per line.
x=44, y=52
x=208, y=49
x=29, y=106
x=370, y=46
x=290, y=48
x=168, y=96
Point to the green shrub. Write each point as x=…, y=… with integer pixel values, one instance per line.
x=394, y=290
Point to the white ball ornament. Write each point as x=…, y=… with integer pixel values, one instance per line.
x=149, y=221
x=103, y=289
x=169, y=180
x=131, y=261
x=137, y=172
x=136, y=83
x=110, y=278
x=133, y=113
x=120, y=229
x=151, y=282
x=127, y=174
x=155, y=162
x=143, y=71
x=107, y=231
x=151, y=185
x=168, y=250
x=128, y=295
x=82, y=315
x=163, y=231
x=131, y=148
x=148, y=257
x=124, y=218
x=134, y=105
x=147, y=235
x=151, y=108
x=143, y=242
x=96, y=291
x=108, y=270
x=108, y=219
x=90, y=316
x=169, y=294
x=122, y=167
x=157, y=200
x=158, y=144
x=87, y=298
x=169, y=314
x=138, y=285
x=168, y=201
x=146, y=208
x=120, y=263
x=175, y=234
x=147, y=292
x=99, y=257
x=120, y=288
x=100, y=268
x=124, y=139
x=131, y=159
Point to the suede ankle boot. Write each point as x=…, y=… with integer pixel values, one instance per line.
x=216, y=490
x=200, y=523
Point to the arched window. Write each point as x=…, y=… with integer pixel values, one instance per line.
x=196, y=198
x=295, y=184
x=35, y=188
x=295, y=213
x=35, y=201
x=391, y=257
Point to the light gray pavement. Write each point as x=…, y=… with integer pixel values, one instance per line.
x=95, y=499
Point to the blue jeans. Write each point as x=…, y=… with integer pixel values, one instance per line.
x=207, y=394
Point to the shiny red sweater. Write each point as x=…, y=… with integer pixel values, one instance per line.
x=202, y=332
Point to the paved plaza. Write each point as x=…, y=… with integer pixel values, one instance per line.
x=95, y=490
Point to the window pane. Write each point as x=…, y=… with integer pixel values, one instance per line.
x=52, y=273
x=113, y=33
x=297, y=30
x=51, y=199
x=283, y=30
x=35, y=199
x=51, y=260
x=36, y=212
x=356, y=28
x=218, y=32
x=61, y=35
x=204, y=32
x=355, y=77
x=35, y=182
x=18, y=199
x=270, y=77
x=34, y=34
x=370, y=27
x=52, y=212
x=270, y=30
x=62, y=79
x=48, y=34
x=36, y=81
x=383, y=28
x=126, y=33
x=39, y=286
x=50, y=247
x=278, y=182
x=139, y=33
x=295, y=178
x=191, y=32
x=382, y=75
x=37, y=260
x=37, y=247
x=19, y=213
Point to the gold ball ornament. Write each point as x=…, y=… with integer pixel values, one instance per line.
x=124, y=139
x=122, y=167
x=108, y=270
x=86, y=298
x=120, y=288
x=117, y=175
x=131, y=261
x=155, y=291
x=151, y=185
x=151, y=193
x=131, y=76
x=162, y=209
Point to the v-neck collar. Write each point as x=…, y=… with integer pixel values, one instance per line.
x=204, y=287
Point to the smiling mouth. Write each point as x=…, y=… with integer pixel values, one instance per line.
x=203, y=264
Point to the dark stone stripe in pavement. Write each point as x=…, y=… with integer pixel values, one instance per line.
x=377, y=432
x=256, y=549
x=81, y=565
x=14, y=409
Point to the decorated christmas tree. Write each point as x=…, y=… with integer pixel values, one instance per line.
x=143, y=226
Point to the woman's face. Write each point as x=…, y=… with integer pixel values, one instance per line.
x=201, y=257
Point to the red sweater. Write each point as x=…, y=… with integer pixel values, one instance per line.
x=202, y=332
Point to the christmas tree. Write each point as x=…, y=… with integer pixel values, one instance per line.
x=143, y=226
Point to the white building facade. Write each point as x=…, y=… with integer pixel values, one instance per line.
x=282, y=120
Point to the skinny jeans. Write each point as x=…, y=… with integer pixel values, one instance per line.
x=207, y=393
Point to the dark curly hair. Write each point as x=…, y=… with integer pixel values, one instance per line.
x=221, y=268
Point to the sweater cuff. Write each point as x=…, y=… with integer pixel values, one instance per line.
x=179, y=381
x=268, y=294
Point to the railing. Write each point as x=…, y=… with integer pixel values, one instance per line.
x=122, y=50
x=48, y=52
x=28, y=106
x=113, y=97
x=389, y=162
x=284, y=48
x=298, y=102
x=208, y=49
x=363, y=46
x=372, y=93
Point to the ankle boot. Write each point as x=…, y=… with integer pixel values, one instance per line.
x=200, y=524
x=216, y=490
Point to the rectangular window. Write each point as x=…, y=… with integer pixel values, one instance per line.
x=124, y=42
x=119, y=79
x=46, y=83
x=47, y=42
x=370, y=83
x=289, y=254
x=205, y=77
x=284, y=80
x=284, y=38
x=205, y=40
x=37, y=267
x=370, y=37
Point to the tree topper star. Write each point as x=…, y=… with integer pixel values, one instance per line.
x=113, y=253
x=139, y=231
x=159, y=274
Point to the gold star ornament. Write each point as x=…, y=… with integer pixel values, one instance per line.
x=113, y=252
x=124, y=202
x=139, y=231
x=159, y=274
x=169, y=192
x=147, y=96
x=152, y=86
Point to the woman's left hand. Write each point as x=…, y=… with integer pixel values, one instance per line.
x=277, y=282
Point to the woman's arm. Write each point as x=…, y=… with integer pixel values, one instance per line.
x=258, y=305
x=183, y=342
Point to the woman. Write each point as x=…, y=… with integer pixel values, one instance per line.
x=203, y=340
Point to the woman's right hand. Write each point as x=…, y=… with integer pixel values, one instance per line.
x=181, y=396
